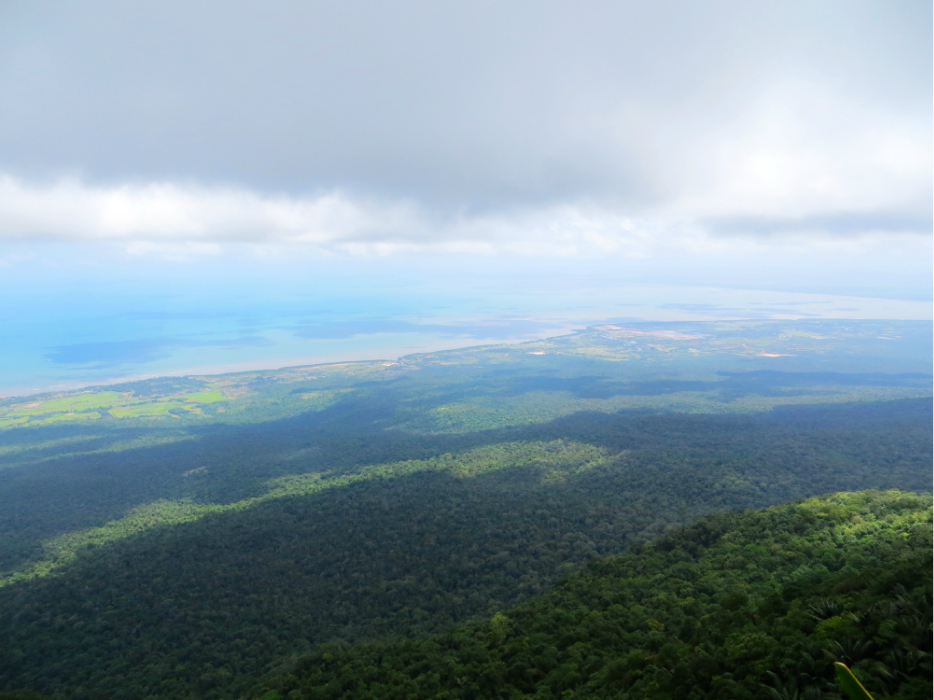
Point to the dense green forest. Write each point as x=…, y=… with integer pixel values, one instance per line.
x=190, y=537
x=741, y=605
x=166, y=450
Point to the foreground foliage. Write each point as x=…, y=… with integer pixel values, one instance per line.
x=750, y=605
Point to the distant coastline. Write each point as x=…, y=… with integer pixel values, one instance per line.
x=206, y=347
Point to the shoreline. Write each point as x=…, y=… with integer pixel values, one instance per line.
x=271, y=365
x=384, y=353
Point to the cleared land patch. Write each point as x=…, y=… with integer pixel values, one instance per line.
x=81, y=406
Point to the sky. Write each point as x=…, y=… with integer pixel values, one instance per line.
x=174, y=155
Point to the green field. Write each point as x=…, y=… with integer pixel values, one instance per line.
x=67, y=403
x=78, y=406
x=204, y=397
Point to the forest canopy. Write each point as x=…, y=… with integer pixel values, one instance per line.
x=740, y=605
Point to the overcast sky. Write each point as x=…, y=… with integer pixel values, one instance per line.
x=585, y=128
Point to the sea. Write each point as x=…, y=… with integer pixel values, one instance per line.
x=66, y=326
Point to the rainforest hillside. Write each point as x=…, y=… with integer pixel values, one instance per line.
x=740, y=605
x=189, y=537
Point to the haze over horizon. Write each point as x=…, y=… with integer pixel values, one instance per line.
x=185, y=180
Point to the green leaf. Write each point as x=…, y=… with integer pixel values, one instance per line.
x=851, y=686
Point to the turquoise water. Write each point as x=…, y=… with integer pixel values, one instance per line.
x=75, y=323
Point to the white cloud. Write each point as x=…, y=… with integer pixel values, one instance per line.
x=803, y=150
x=69, y=209
x=598, y=128
x=168, y=219
x=727, y=106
